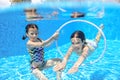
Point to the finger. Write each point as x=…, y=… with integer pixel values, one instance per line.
x=56, y=68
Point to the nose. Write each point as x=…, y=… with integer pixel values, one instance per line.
x=34, y=35
x=75, y=46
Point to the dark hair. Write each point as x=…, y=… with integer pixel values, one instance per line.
x=27, y=28
x=79, y=34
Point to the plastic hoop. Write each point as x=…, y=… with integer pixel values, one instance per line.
x=71, y=21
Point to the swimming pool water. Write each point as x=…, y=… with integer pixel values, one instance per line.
x=14, y=59
x=17, y=67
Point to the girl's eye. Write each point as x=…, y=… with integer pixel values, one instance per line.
x=31, y=33
x=78, y=43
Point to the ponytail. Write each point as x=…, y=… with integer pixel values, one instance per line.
x=24, y=37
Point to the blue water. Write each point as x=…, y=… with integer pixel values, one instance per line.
x=14, y=59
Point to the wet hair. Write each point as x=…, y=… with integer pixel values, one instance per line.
x=27, y=28
x=78, y=34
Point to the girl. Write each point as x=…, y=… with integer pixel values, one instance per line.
x=35, y=47
x=79, y=46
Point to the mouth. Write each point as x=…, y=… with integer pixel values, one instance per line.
x=77, y=48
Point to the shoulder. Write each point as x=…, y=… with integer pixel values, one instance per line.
x=86, y=48
x=29, y=45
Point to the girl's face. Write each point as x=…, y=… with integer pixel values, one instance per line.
x=32, y=34
x=77, y=44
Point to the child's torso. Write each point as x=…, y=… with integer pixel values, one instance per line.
x=37, y=54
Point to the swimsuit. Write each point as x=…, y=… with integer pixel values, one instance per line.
x=91, y=44
x=37, y=55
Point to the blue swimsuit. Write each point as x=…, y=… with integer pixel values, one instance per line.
x=37, y=55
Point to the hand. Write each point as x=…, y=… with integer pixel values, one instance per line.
x=73, y=70
x=59, y=66
x=55, y=35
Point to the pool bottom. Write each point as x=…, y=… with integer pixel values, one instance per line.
x=18, y=67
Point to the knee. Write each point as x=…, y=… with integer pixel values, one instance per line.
x=35, y=71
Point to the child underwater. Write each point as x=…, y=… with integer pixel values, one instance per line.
x=80, y=46
x=35, y=48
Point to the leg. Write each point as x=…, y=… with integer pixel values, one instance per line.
x=97, y=39
x=53, y=62
x=39, y=74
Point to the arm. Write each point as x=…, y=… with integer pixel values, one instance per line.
x=62, y=65
x=82, y=57
x=79, y=61
x=54, y=36
x=66, y=57
x=43, y=43
x=49, y=41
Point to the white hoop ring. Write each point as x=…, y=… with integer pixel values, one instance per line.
x=71, y=21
